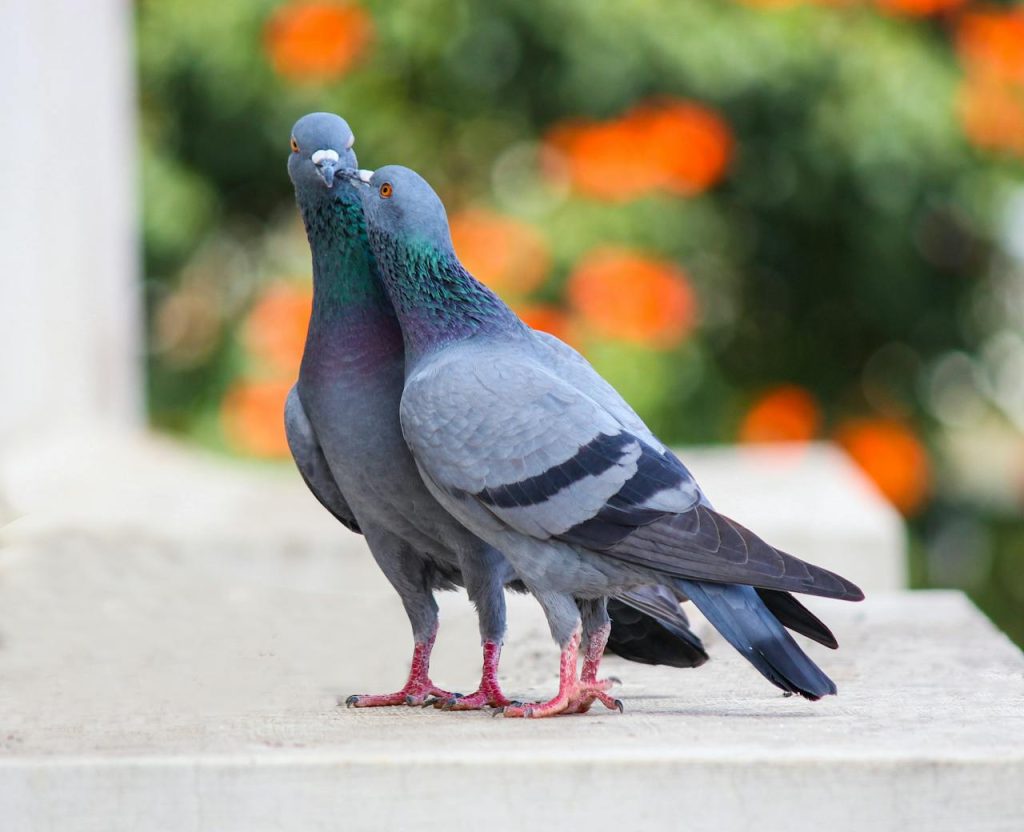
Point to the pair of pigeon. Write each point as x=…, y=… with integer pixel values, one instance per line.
x=471, y=450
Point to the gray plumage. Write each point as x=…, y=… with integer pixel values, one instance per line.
x=342, y=420
x=520, y=439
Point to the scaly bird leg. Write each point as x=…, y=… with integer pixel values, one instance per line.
x=417, y=689
x=571, y=691
x=489, y=693
x=588, y=678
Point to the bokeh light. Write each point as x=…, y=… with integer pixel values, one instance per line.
x=508, y=255
x=677, y=146
x=317, y=41
x=252, y=415
x=787, y=413
x=275, y=331
x=548, y=318
x=892, y=456
x=626, y=294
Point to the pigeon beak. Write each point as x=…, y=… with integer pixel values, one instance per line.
x=360, y=176
x=326, y=162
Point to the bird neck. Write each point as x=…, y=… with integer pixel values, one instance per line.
x=437, y=301
x=345, y=281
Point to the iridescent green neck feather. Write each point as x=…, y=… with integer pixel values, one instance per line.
x=436, y=299
x=345, y=280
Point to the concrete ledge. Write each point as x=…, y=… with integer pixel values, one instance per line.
x=215, y=708
x=809, y=499
x=175, y=634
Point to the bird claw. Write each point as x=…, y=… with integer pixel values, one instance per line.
x=411, y=694
x=500, y=711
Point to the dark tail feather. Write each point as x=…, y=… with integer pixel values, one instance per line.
x=650, y=627
x=738, y=613
x=796, y=617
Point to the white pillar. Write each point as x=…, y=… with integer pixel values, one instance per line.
x=70, y=352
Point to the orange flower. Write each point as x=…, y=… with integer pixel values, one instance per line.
x=605, y=160
x=547, y=318
x=275, y=331
x=783, y=414
x=892, y=456
x=252, y=416
x=317, y=41
x=992, y=43
x=918, y=8
x=626, y=294
x=688, y=144
x=508, y=255
x=673, y=145
x=992, y=114
x=991, y=99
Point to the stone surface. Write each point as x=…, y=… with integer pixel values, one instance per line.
x=176, y=632
x=132, y=698
x=187, y=687
x=811, y=501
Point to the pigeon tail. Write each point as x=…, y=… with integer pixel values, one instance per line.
x=796, y=617
x=739, y=614
x=643, y=632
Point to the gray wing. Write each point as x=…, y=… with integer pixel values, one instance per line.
x=568, y=364
x=494, y=426
x=574, y=368
x=312, y=464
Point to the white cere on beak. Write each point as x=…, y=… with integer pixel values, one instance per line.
x=351, y=141
x=366, y=175
x=324, y=156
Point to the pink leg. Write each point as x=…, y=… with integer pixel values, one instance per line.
x=571, y=691
x=417, y=688
x=489, y=693
x=588, y=678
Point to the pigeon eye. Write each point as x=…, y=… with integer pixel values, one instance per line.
x=295, y=145
x=386, y=190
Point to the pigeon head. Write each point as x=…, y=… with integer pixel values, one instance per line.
x=321, y=148
x=399, y=204
x=436, y=299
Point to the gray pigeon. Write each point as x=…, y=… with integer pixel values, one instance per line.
x=520, y=439
x=344, y=433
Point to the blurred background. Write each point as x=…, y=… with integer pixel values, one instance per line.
x=760, y=220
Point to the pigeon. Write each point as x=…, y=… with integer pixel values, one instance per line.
x=521, y=440
x=341, y=420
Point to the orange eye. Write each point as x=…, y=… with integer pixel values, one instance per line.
x=295, y=145
x=386, y=190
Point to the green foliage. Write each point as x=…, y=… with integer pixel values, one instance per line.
x=852, y=232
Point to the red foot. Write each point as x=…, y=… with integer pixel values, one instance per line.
x=574, y=695
x=588, y=678
x=409, y=695
x=418, y=689
x=489, y=694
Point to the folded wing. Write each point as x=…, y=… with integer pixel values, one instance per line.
x=500, y=429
